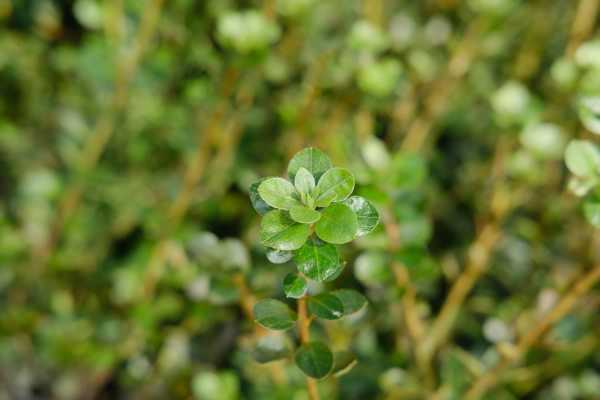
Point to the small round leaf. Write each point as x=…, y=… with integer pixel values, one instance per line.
x=279, y=256
x=352, y=300
x=274, y=314
x=319, y=261
x=335, y=185
x=314, y=160
x=326, y=306
x=278, y=193
x=314, y=359
x=280, y=232
x=304, y=215
x=304, y=181
x=338, y=224
x=294, y=286
x=343, y=362
x=366, y=214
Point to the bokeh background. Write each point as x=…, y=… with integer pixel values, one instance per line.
x=131, y=130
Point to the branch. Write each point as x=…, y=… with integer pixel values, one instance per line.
x=490, y=379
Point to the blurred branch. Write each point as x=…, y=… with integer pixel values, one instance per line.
x=478, y=256
x=579, y=289
x=104, y=129
x=583, y=24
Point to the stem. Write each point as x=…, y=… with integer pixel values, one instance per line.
x=490, y=379
x=304, y=327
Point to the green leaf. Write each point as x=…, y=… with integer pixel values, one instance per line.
x=278, y=231
x=279, y=256
x=258, y=203
x=304, y=181
x=589, y=113
x=338, y=224
x=582, y=158
x=343, y=362
x=314, y=160
x=304, y=215
x=326, y=306
x=294, y=286
x=352, y=300
x=314, y=359
x=271, y=347
x=335, y=185
x=274, y=314
x=319, y=261
x=366, y=214
x=278, y=193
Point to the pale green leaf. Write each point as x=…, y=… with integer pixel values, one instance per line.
x=314, y=160
x=582, y=159
x=304, y=215
x=335, y=185
x=304, y=181
x=278, y=193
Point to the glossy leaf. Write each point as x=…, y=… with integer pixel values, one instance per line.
x=274, y=314
x=304, y=181
x=338, y=224
x=278, y=193
x=352, y=300
x=314, y=359
x=294, y=286
x=280, y=232
x=366, y=214
x=304, y=215
x=335, y=185
x=326, y=306
x=279, y=256
x=314, y=160
x=258, y=203
x=318, y=261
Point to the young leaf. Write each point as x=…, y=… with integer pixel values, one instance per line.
x=582, y=158
x=280, y=232
x=366, y=214
x=274, y=314
x=335, y=185
x=326, y=306
x=258, y=203
x=294, y=286
x=352, y=300
x=314, y=160
x=338, y=224
x=278, y=193
x=319, y=261
x=304, y=181
x=343, y=362
x=314, y=359
x=271, y=347
x=279, y=256
x=304, y=215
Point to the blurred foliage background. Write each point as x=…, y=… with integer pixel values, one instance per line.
x=130, y=132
